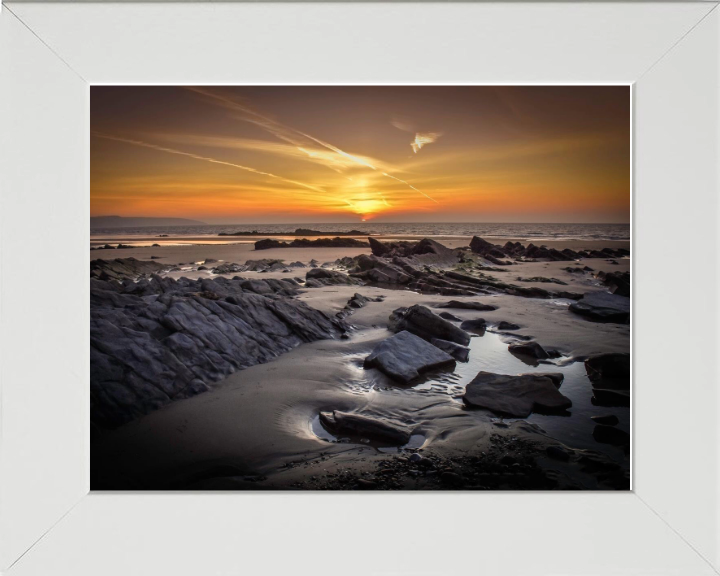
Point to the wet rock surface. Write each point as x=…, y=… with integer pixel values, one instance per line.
x=516, y=396
x=609, y=371
x=603, y=307
x=404, y=356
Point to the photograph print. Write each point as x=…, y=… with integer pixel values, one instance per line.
x=360, y=288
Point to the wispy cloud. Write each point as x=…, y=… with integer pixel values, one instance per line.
x=289, y=134
x=421, y=138
x=206, y=159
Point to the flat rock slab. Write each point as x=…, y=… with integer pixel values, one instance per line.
x=371, y=428
x=516, y=396
x=603, y=307
x=422, y=322
x=404, y=357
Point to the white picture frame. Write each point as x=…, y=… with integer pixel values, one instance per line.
x=50, y=53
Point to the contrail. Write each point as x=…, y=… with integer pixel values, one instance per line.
x=206, y=159
x=280, y=131
x=411, y=186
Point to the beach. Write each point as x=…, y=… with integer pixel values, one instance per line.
x=259, y=427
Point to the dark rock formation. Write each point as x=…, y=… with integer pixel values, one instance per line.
x=529, y=349
x=121, y=268
x=422, y=322
x=336, y=242
x=317, y=277
x=503, y=325
x=478, y=326
x=159, y=339
x=338, y=422
x=543, y=280
x=516, y=396
x=493, y=252
x=610, y=370
x=357, y=301
x=460, y=353
x=448, y=316
x=603, y=307
x=405, y=356
x=617, y=283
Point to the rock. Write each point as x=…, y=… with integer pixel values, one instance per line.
x=502, y=325
x=611, y=435
x=556, y=377
x=603, y=307
x=358, y=425
x=478, y=326
x=542, y=279
x=516, y=396
x=159, y=339
x=448, y=316
x=529, y=349
x=415, y=457
x=460, y=353
x=121, y=268
x=607, y=420
x=329, y=277
x=336, y=242
x=618, y=283
x=357, y=301
x=557, y=453
x=466, y=305
x=229, y=268
x=363, y=484
x=610, y=370
x=405, y=356
x=422, y=322
x=202, y=267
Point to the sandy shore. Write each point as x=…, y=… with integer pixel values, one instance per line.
x=258, y=428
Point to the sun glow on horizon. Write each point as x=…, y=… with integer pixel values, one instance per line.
x=309, y=153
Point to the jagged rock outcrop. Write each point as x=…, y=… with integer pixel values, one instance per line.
x=318, y=277
x=516, y=250
x=120, y=268
x=160, y=339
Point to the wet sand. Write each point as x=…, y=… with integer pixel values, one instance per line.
x=258, y=428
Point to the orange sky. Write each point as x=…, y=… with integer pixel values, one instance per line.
x=346, y=154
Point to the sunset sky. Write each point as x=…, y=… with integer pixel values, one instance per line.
x=347, y=154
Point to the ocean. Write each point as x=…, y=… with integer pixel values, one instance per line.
x=528, y=232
